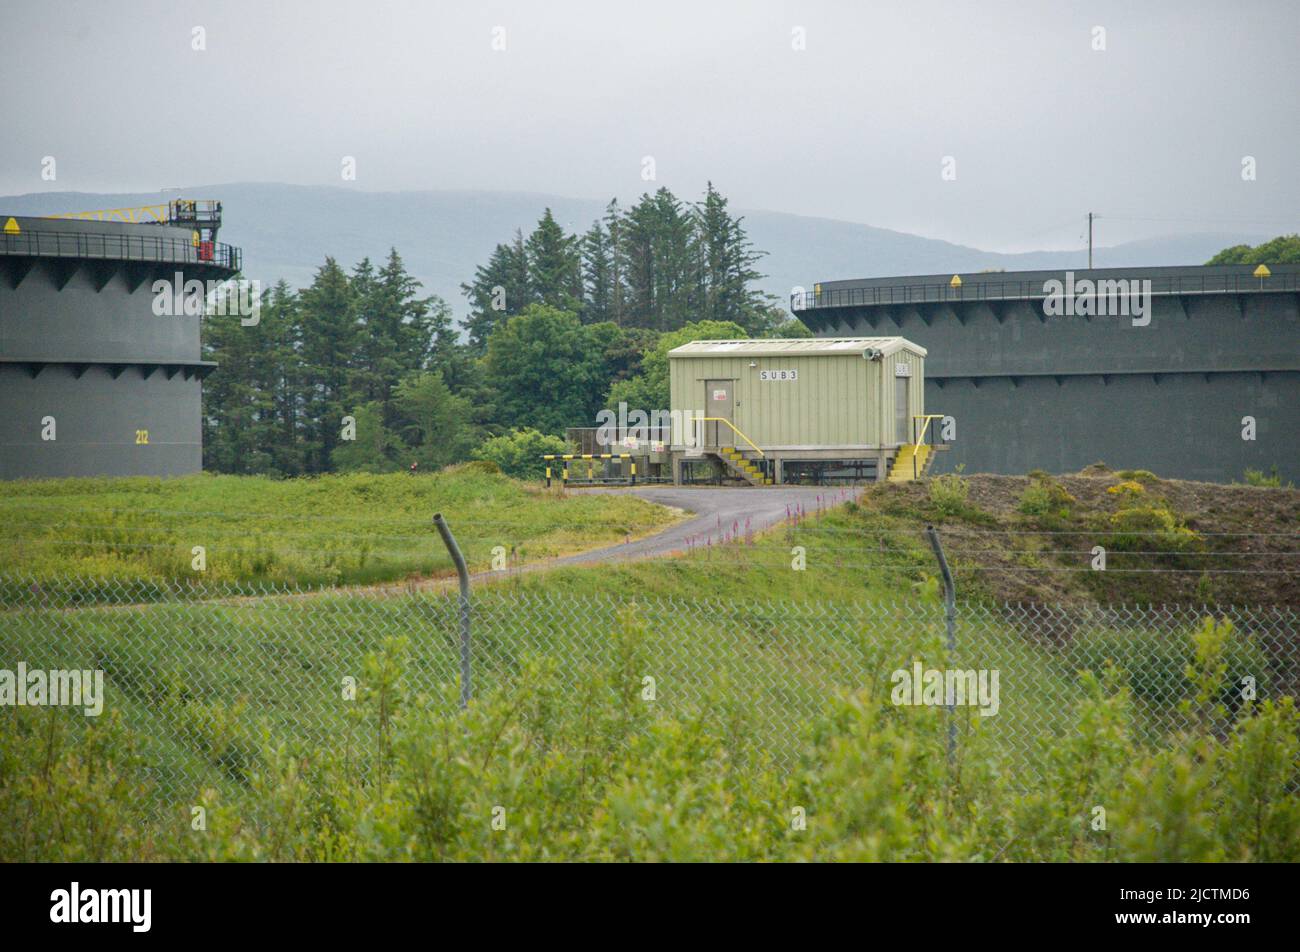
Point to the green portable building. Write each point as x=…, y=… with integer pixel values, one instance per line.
x=807, y=399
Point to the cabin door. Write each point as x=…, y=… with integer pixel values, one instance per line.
x=902, y=411
x=719, y=404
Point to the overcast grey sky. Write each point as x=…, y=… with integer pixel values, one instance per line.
x=1149, y=132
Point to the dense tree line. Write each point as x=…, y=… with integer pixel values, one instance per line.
x=1284, y=249
x=353, y=355
x=658, y=265
x=359, y=371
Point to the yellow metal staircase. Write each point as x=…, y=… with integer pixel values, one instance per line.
x=912, y=461
x=741, y=465
x=740, y=462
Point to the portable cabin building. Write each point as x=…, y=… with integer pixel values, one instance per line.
x=805, y=409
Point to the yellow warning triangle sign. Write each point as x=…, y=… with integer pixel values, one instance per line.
x=1260, y=272
x=11, y=227
x=955, y=282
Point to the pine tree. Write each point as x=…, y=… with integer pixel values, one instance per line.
x=500, y=289
x=447, y=355
x=365, y=377
x=234, y=406
x=680, y=273
x=614, y=230
x=282, y=381
x=404, y=316
x=330, y=342
x=394, y=335
x=640, y=244
x=554, y=265
x=598, y=275
x=726, y=266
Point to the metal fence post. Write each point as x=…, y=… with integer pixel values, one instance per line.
x=450, y=542
x=950, y=618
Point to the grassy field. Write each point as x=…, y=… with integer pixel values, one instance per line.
x=203, y=675
x=1008, y=538
x=231, y=692
x=330, y=530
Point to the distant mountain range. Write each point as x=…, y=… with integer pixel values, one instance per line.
x=286, y=231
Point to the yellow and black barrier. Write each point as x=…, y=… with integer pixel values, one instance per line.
x=566, y=458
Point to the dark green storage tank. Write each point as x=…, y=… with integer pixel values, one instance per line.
x=93, y=381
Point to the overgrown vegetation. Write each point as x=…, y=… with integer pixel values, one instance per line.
x=356, y=528
x=605, y=774
x=1046, y=498
x=948, y=493
x=531, y=772
x=1031, y=538
x=1210, y=664
x=1273, y=480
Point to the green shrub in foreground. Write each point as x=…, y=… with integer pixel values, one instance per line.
x=533, y=772
x=948, y=493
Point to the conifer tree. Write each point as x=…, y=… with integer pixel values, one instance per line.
x=554, y=265
x=500, y=289
x=597, y=275
x=329, y=310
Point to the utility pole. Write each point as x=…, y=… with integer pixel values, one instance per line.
x=1089, y=241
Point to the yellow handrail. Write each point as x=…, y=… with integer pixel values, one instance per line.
x=927, y=417
x=735, y=430
x=140, y=213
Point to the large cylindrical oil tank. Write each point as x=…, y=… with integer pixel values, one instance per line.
x=94, y=380
x=1204, y=384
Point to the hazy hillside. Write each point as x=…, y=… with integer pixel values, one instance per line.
x=287, y=230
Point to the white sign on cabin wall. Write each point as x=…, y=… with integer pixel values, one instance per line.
x=902, y=370
x=777, y=375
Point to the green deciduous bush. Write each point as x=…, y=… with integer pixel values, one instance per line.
x=519, y=454
x=1160, y=669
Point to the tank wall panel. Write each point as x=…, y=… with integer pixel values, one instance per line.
x=1187, y=426
x=1057, y=393
x=39, y=322
x=1223, y=332
x=96, y=422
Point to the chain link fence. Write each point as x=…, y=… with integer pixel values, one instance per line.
x=202, y=671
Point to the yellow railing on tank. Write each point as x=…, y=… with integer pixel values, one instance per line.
x=141, y=213
x=183, y=210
